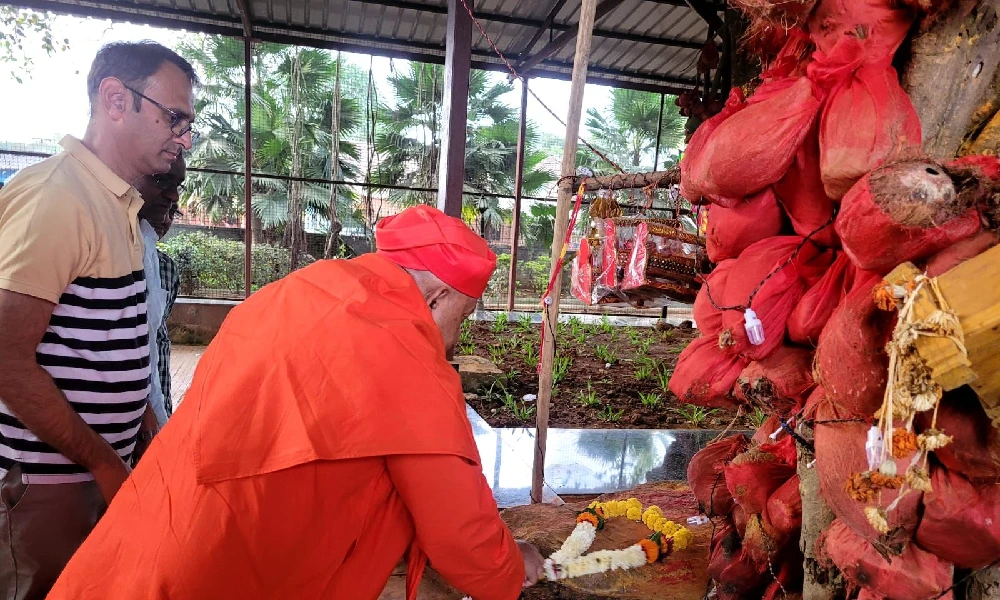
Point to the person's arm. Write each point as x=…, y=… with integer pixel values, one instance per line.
x=29, y=392
x=458, y=525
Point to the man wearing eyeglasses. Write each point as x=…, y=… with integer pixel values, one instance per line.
x=74, y=353
x=160, y=194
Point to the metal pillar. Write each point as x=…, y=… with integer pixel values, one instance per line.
x=518, y=190
x=659, y=131
x=457, y=64
x=247, y=168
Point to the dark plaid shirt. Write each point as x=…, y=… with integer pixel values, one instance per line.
x=171, y=282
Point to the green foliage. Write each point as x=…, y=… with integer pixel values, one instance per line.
x=589, y=397
x=758, y=416
x=649, y=399
x=497, y=353
x=466, y=348
x=606, y=326
x=19, y=26
x=524, y=325
x=561, y=368
x=645, y=370
x=626, y=129
x=611, y=415
x=696, y=415
x=465, y=332
x=606, y=354
x=663, y=376
x=520, y=410
x=207, y=262
x=529, y=351
x=499, y=322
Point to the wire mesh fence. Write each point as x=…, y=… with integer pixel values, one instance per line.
x=338, y=142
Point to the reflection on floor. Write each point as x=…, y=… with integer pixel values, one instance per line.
x=578, y=461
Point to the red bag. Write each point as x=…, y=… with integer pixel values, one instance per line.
x=763, y=434
x=867, y=121
x=903, y=212
x=754, y=475
x=778, y=295
x=880, y=26
x=732, y=569
x=754, y=147
x=780, y=382
x=733, y=230
x=740, y=519
x=975, y=450
x=840, y=453
x=707, y=317
x=961, y=522
x=784, y=509
x=949, y=258
x=706, y=478
x=807, y=321
x=915, y=574
x=801, y=194
x=692, y=175
x=705, y=374
x=789, y=581
x=851, y=363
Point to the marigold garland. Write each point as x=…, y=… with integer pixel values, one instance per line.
x=569, y=560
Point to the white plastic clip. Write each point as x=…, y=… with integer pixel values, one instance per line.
x=755, y=329
x=873, y=448
x=697, y=520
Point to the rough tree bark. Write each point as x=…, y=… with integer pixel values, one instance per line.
x=294, y=230
x=820, y=583
x=952, y=77
x=985, y=585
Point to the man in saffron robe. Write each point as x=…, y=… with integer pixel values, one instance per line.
x=323, y=437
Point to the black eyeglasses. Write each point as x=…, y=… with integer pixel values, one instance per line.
x=179, y=124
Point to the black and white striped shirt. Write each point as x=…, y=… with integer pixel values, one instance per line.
x=69, y=235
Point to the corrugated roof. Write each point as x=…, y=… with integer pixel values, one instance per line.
x=641, y=44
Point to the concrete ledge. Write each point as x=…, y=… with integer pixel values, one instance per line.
x=195, y=321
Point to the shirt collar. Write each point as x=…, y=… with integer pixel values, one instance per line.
x=118, y=186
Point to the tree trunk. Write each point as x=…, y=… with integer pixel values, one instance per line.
x=294, y=231
x=953, y=79
x=820, y=583
x=333, y=241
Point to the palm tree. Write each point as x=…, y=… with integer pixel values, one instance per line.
x=293, y=113
x=626, y=130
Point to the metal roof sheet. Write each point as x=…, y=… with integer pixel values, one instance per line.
x=641, y=44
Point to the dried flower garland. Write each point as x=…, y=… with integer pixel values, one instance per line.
x=569, y=560
x=910, y=390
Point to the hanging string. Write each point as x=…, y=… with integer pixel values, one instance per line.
x=524, y=81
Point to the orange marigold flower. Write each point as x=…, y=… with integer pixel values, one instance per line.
x=859, y=487
x=904, y=443
x=588, y=517
x=884, y=481
x=651, y=548
x=884, y=298
x=666, y=545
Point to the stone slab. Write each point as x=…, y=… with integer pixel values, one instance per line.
x=476, y=372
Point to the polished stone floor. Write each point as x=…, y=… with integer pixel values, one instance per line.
x=578, y=461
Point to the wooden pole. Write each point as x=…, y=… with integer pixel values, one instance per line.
x=455, y=117
x=550, y=316
x=515, y=228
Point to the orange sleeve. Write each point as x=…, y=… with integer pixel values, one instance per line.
x=458, y=525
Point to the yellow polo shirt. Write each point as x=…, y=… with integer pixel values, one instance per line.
x=69, y=234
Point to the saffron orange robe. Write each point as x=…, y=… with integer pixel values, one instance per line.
x=323, y=437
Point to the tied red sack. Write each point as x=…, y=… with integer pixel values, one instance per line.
x=706, y=316
x=757, y=473
x=754, y=147
x=732, y=569
x=840, y=453
x=913, y=575
x=812, y=313
x=780, y=383
x=781, y=283
x=800, y=192
x=851, y=362
x=733, y=230
x=903, y=212
x=692, y=172
x=867, y=120
x=961, y=522
x=707, y=479
x=975, y=450
x=879, y=25
x=705, y=374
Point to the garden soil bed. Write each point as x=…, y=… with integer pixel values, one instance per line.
x=606, y=377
